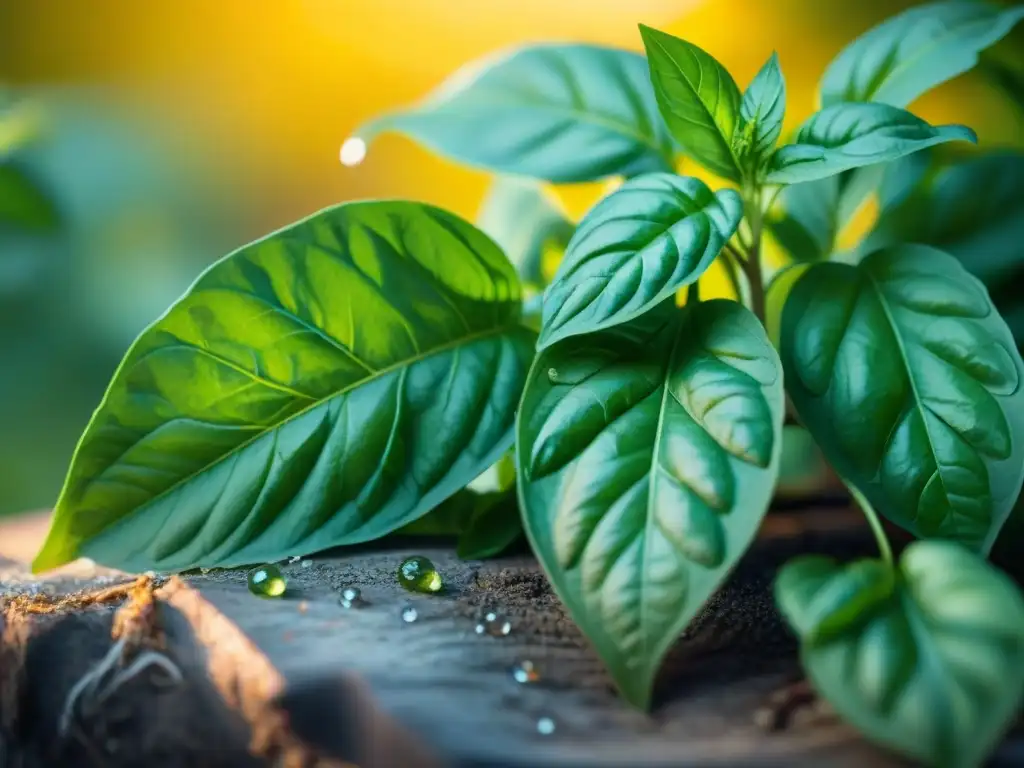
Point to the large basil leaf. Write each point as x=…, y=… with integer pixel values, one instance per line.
x=763, y=109
x=638, y=246
x=973, y=210
x=523, y=221
x=647, y=456
x=563, y=113
x=927, y=661
x=911, y=383
x=911, y=53
x=24, y=204
x=699, y=100
x=846, y=136
x=322, y=386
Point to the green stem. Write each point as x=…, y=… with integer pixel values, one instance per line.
x=729, y=260
x=884, y=548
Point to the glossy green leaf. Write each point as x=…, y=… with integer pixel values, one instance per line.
x=323, y=386
x=927, y=661
x=699, y=100
x=911, y=383
x=762, y=110
x=776, y=295
x=638, y=246
x=24, y=204
x=525, y=223
x=494, y=526
x=647, y=456
x=915, y=51
x=973, y=210
x=846, y=136
x=808, y=217
x=564, y=113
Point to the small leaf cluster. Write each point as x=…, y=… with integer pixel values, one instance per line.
x=352, y=374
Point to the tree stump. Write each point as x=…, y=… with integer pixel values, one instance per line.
x=196, y=671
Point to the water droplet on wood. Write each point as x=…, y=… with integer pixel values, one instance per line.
x=409, y=614
x=545, y=726
x=525, y=672
x=267, y=581
x=418, y=574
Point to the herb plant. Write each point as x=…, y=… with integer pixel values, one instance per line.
x=350, y=375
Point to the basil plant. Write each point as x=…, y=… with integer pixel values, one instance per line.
x=353, y=374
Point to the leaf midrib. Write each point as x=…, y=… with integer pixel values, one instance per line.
x=918, y=403
x=378, y=374
x=726, y=142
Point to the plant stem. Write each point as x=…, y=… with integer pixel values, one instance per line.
x=752, y=264
x=729, y=259
x=752, y=269
x=884, y=548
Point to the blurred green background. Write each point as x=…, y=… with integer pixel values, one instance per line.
x=140, y=142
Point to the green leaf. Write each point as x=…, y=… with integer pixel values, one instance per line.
x=927, y=661
x=913, y=52
x=635, y=248
x=647, y=456
x=522, y=220
x=911, y=383
x=698, y=99
x=494, y=526
x=322, y=386
x=776, y=295
x=564, y=113
x=846, y=136
x=762, y=111
x=24, y=204
x=973, y=210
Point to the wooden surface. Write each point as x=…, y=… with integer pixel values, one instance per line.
x=301, y=680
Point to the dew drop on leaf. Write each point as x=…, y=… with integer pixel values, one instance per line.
x=418, y=574
x=267, y=581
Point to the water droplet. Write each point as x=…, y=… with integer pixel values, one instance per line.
x=417, y=574
x=294, y=559
x=351, y=597
x=525, y=672
x=307, y=563
x=353, y=150
x=545, y=726
x=409, y=614
x=494, y=624
x=267, y=581
x=553, y=375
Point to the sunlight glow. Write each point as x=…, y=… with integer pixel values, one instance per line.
x=353, y=151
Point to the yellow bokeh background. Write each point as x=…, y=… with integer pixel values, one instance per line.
x=257, y=96
x=251, y=101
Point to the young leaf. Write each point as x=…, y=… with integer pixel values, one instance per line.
x=927, y=661
x=523, y=221
x=913, y=52
x=912, y=385
x=698, y=98
x=322, y=386
x=638, y=246
x=762, y=110
x=647, y=456
x=847, y=136
x=564, y=113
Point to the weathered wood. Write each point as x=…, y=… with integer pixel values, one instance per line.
x=303, y=681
